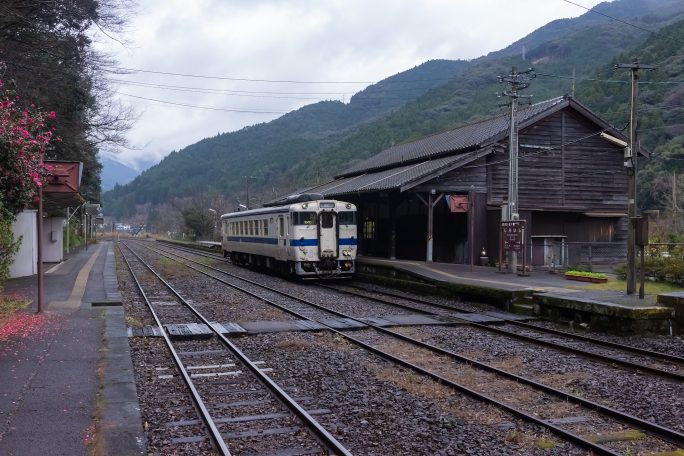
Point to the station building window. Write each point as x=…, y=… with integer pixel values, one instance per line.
x=369, y=229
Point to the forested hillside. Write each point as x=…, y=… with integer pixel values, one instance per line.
x=661, y=109
x=273, y=152
x=317, y=141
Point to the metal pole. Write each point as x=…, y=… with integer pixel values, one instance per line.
x=471, y=230
x=429, y=234
x=641, y=275
x=513, y=166
x=634, y=67
x=67, y=230
x=632, y=190
x=39, y=234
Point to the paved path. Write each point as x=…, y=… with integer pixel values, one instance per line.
x=50, y=393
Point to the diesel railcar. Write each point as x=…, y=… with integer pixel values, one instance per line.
x=308, y=237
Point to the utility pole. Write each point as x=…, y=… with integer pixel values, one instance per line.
x=518, y=81
x=631, y=156
x=248, y=179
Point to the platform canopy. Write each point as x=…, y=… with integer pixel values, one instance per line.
x=62, y=187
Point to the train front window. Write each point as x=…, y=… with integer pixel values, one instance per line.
x=327, y=219
x=303, y=218
x=346, y=218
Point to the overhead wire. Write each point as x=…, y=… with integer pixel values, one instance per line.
x=592, y=10
x=211, y=108
x=122, y=70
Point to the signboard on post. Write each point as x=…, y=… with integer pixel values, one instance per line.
x=459, y=203
x=513, y=239
x=65, y=177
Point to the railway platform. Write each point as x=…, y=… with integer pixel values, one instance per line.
x=538, y=292
x=66, y=376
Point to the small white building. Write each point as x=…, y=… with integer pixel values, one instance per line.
x=26, y=259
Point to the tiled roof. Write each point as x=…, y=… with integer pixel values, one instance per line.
x=462, y=138
x=395, y=178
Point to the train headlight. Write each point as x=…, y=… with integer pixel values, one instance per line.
x=305, y=205
x=346, y=253
x=348, y=206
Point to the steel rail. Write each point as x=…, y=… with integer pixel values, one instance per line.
x=626, y=348
x=319, y=431
x=665, y=433
x=576, y=351
x=214, y=433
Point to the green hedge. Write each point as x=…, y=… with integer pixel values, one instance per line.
x=595, y=275
x=8, y=245
x=670, y=270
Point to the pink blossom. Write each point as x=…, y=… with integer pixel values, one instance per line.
x=52, y=114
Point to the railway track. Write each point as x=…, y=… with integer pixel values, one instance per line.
x=632, y=358
x=628, y=357
x=568, y=427
x=237, y=403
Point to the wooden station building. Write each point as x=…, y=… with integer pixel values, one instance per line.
x=415, y=199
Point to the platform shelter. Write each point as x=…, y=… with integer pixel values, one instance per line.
x=440, y=198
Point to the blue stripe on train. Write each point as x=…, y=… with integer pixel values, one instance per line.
x=254, y=240
x=293, y=242
x=304, y=242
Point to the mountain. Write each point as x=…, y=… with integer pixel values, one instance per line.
x=274, y=151
x=315, y=142
x=114, y=173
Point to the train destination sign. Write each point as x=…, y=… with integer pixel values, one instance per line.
x=513, y=235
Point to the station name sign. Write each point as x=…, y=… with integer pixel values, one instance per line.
x=513, y=235
x=64, y=177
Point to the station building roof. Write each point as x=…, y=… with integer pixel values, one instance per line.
x=405, y=166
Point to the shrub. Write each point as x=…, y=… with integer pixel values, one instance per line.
x=594, y=275
x=8, y=245
x=670, y=270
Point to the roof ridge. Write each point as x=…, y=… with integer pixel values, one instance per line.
x=475, y=122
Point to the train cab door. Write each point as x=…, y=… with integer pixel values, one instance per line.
x=282, y=239
x=327, y=234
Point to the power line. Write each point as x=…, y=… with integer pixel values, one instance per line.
x=227, y=78
x=119, y=70
x=210, y=91
x=610, y=81
x=266, y=94
x=211, y=108
x=592, y=10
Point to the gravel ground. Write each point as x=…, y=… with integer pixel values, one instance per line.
x=650, y=398
x=376, y=408
x=673, y=345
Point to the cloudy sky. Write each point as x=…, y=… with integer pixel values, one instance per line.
x=254, y=60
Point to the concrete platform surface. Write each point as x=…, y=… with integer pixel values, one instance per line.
x=489, y=277
x=544, y=293
x=52, y=400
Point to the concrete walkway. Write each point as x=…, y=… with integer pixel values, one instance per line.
x=66, y=378
x=538, y=292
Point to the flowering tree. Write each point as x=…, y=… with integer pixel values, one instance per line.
x=24, y=139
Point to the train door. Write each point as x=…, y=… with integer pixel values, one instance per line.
x=327, y=235
x=282, y=239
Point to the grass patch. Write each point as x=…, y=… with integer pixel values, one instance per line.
x=9, y=305
x=134, y=322
x=650, y=288
x=293, y=345
x=544, y=444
